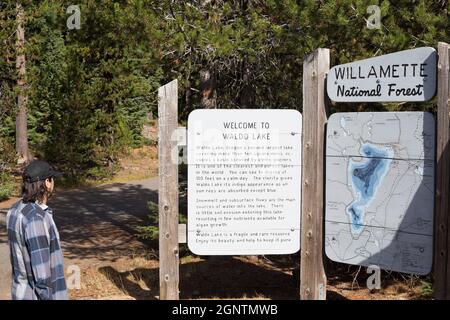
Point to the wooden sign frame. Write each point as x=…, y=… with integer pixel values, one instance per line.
x=312, y=274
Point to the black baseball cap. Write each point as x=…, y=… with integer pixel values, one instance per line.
x=39, y=170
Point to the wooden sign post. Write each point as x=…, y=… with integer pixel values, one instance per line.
x=312, y=275
x=442, y=223
x=168, y=192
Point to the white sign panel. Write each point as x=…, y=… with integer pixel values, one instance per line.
x=380, y=190
x=244, y=181
x=408, y=75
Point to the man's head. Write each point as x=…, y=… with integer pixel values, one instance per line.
x=38, y=181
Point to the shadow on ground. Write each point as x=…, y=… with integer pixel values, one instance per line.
x=218, y=278
x=101, y=222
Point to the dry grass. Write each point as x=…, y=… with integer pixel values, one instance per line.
x=140, y=163
x=125, y=279
x=228, y=278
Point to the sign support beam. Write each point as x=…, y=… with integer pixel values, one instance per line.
x=168, y=192
x=312, y=274
x=442, y=222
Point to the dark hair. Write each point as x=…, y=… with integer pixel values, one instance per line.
x=34, y=191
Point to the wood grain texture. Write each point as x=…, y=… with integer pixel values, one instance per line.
x=168, y=192
x=442, y=221
x=312, y=275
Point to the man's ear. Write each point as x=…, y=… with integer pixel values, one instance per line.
x=48, y=182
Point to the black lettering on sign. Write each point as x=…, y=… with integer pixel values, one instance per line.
x=415, y=91
x=383, y=71
x=342, y=91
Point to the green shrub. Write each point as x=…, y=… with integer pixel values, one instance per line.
x=426, y=289
x=7, y=153
x=150, y=142
x=99, y=173
x=7, y=161
x=150, y=231
x=6, y=186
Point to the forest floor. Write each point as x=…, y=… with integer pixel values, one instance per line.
x=98, y=229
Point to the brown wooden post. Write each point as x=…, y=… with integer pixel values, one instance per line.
x=313, y=280
x=442, y=221
x=168, y=192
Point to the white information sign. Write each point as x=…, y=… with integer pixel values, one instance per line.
x=408, y=75
x=244, y=181
x=380, y=190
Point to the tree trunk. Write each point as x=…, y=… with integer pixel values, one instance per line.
x=22, y=98
x=245, y=96
x=208, y=89
x=207, y=80
x=187, y=101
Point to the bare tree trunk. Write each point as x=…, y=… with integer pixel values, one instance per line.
x=187, y=101
x=208, y=89
x=208, y=94
x=245, y=96
x=188, y=93
x=22, y=98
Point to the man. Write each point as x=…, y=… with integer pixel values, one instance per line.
x=36, y=257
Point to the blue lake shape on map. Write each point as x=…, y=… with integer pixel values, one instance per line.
x=366, y=177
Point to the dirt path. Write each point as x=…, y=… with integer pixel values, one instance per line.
x=97, y=225
x=100, y=223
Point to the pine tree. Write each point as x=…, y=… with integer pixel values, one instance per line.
x=90, y=90
x=22, y=97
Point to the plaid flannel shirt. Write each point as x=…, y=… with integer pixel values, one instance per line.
x=35, y=252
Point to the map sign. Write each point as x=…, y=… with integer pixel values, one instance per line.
x=408, y=75
x=244, y=181
x=380, y=190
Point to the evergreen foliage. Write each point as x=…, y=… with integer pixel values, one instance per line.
x=90, y=90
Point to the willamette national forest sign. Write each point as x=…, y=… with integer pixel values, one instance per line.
x=408, y=75
x=244, y=181
x=380, y=190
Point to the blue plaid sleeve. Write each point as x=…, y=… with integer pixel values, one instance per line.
x=38, y=243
